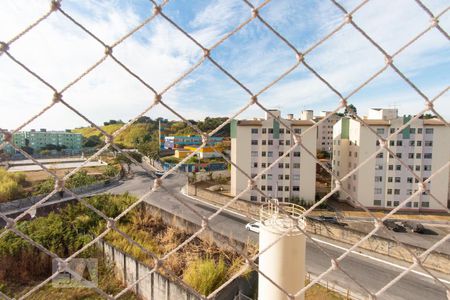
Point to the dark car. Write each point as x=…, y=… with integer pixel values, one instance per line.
x=414, y=226
x=392, y=225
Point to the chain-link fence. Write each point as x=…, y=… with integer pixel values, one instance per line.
x=256, y=14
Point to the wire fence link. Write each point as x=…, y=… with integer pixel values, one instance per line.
x=256, y=14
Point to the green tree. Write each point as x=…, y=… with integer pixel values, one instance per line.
x=350, y=110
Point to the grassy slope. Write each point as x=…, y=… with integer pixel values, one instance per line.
x=126, y=138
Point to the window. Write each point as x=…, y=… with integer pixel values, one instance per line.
x=255, y=165
x=286, y=177
x=254, y=130
x=418, y=168
x=281, y=130
x=281, y=142
x=409, y=192
x=378, y=191
x=398, y=167
x=263, y=199
x=427, y=167
x=397, y=192
x=269, y=176
x=288, y=131
x=419, y=130
x=396, y=203
x=419, y=143
x=356, y=154
x=286, y=165
x=253, y=198
x=399, y=143
x=397, y=179
x=270, y=154
x=425, y=204
x=412, y=130
x=263, y=142
x=392, y=130
x=254, y=142
x=391, y=167
x=380, y=130
x=378, y=178
x=296, y=166
x=280, y=176
x=427, y=155
x=416, y=204
x=391, y=143
x=269, y=142
x=380, y=155
x=428, y=143
x=254, y=153
x=399, y=155
x=350, y=153
x=389, y=191
x=280, y=188
x=263, y=188
x=409, y=180
x=280, y=165
x=297, y=154
x=263, y=153
x=269, y=187
x=270, y=130
x=378, y=167
x=418, y=155
x=429, y=130
x=288, y=142
x=263, y=176
x=263, y=165
x=389, y=179
x=264, y=130
x=296, y=188
x=297, y=130
x=389, y=203
x=377, y=202
x=280, y=153
x=411, y=155
x=412, y=143
x=296, y=177
x=286, y=188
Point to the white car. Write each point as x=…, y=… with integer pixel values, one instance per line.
x=253, y=226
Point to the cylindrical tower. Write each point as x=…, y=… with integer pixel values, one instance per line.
x=284, y=261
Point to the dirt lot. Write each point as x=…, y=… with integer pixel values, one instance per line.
x=38, y=176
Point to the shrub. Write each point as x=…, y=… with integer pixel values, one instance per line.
x=11, y=185
x=205, y=275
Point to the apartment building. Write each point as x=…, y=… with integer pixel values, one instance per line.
x=257, y=143
x=324, y=130
x=180, y=141
x=382, y=182
x=39, y=139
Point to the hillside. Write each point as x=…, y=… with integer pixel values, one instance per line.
x=134, y=134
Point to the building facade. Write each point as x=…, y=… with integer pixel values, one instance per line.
x=255, y=144
x=40, y=139
x=382, y=182
x=324, y=130
x=180, y=141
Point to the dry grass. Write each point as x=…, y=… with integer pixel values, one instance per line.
x=318, y=292
x=38, y=176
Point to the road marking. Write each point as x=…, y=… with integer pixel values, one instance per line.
x=215, y=206
x=380, y=260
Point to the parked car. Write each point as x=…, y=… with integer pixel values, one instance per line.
x=253, y=226
x=414, y=226
x=392, y=225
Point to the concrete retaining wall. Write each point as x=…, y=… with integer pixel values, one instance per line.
x=158, y=286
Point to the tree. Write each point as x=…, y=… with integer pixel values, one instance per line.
x=92, y=141
x=350, y=110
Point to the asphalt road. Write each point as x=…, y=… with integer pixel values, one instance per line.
x=371, y=273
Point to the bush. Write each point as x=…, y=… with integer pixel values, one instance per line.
x=205, y=275
x=11, y=185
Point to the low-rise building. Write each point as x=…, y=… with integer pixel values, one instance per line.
x=324, y=130
x=180, y=141
x=255, y=144
x=383, y=182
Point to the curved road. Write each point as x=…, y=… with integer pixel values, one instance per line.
x=371, y=273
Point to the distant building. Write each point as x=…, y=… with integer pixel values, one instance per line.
x=180, y=141
x=382, y=182
x=255, y=144
x=205, y=152
x=324, y=130
x=38, y=140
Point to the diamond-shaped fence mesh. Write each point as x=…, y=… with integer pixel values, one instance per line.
x=256, y=14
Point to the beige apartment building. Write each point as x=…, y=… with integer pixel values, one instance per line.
x=324, y=130
x=256, y=143
x=382, y=183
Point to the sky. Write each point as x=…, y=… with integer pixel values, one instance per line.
x=59, y=51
